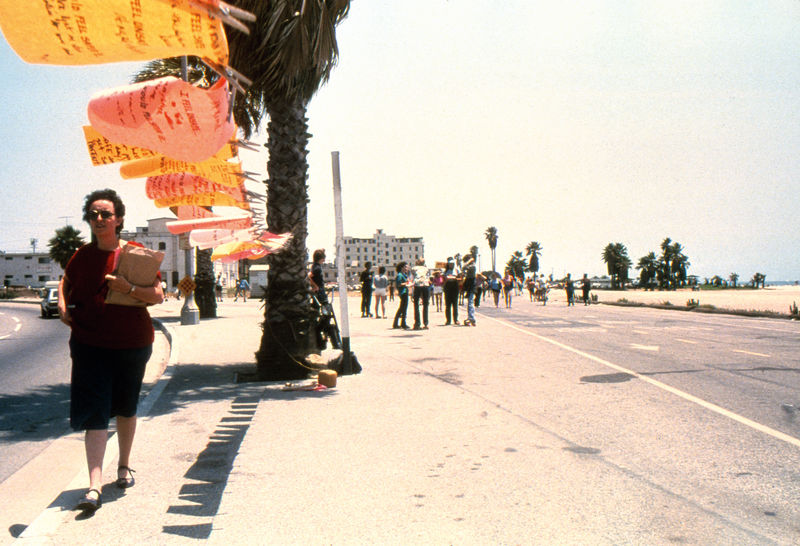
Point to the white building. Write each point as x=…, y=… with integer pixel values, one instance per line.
x=25, y=269
x=382, y=250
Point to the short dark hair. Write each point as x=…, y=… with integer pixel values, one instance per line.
x=105, y=195
x=381, y=270
x=399, y=267
x=367, y=265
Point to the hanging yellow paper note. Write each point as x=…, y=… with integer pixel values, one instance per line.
x=103, y=152
x=173, y=185
x=76, y=32
x=202, y=200
x=222, y=172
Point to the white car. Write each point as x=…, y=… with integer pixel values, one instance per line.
x=49, y=302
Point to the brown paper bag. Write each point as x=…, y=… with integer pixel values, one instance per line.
x=138, y=266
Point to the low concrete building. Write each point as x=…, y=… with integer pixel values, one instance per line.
x=28, y=269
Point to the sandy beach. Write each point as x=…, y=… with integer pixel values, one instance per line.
x=776, y=299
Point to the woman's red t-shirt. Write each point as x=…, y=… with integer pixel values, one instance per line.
x=93, y=321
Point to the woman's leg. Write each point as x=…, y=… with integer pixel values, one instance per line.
x=95, y=444
x=126, y=429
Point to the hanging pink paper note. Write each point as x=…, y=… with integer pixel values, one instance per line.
x=221, y=222
x=167, y=115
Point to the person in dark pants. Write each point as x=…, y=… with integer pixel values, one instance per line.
x=401, y=282
x=422, y=282
x=366, y=290
x=317, y=283
x=586, y=287
x=569, y=286
x=451, y=292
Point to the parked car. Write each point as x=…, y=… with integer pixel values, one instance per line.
x=49, y=301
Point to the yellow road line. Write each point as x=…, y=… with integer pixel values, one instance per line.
x=677, y=392
x=686, y=341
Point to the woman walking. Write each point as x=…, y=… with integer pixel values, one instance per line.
x=508, y=287
x=109, y=345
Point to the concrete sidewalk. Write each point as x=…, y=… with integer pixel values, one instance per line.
x=407, y=452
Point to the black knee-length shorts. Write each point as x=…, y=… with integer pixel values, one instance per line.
x=105, y=384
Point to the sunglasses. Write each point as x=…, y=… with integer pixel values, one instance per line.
x=104, y=214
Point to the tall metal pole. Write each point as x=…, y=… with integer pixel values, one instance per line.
x=344, y=319
x=190, y=314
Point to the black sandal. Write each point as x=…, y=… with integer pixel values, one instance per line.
x=88, y=504
x=125, y=483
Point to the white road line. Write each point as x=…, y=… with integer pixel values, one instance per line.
x=750, y=353
x=677, y=392
x=641, y=332
x=686, y=341
x=653, y=348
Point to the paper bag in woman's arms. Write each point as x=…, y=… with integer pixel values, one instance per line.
x=139, y=266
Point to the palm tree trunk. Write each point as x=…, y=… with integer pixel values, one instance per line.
x=289, y=334
x=204, y=294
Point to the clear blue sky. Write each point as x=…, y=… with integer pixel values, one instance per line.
x=572, y=126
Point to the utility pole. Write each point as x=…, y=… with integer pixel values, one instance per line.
x=66, y=219
x=33, y=244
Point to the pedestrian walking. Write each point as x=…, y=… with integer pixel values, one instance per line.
x=242, y=287
x=110, y=344
x=218, y=287
x=508, y=288
x=437, y=281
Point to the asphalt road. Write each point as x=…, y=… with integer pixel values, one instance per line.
x=701, y=407
x=34, y=391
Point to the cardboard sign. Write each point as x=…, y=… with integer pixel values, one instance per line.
x=77, y=32
x=166, y=115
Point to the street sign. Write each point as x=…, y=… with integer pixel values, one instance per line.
x=187, y=285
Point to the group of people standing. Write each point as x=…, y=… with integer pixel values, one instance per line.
x=447, y=288
x=422, y=284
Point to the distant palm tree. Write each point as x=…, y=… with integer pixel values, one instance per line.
x=648, y=265
x=534, y=249
x=734, y=278
x=615, y=255
x=491, y=238
x=517, y=264
x=64, y=244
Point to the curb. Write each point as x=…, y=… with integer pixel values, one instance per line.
x=46, y=524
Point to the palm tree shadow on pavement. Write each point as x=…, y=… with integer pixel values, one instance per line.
x=205, y=480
